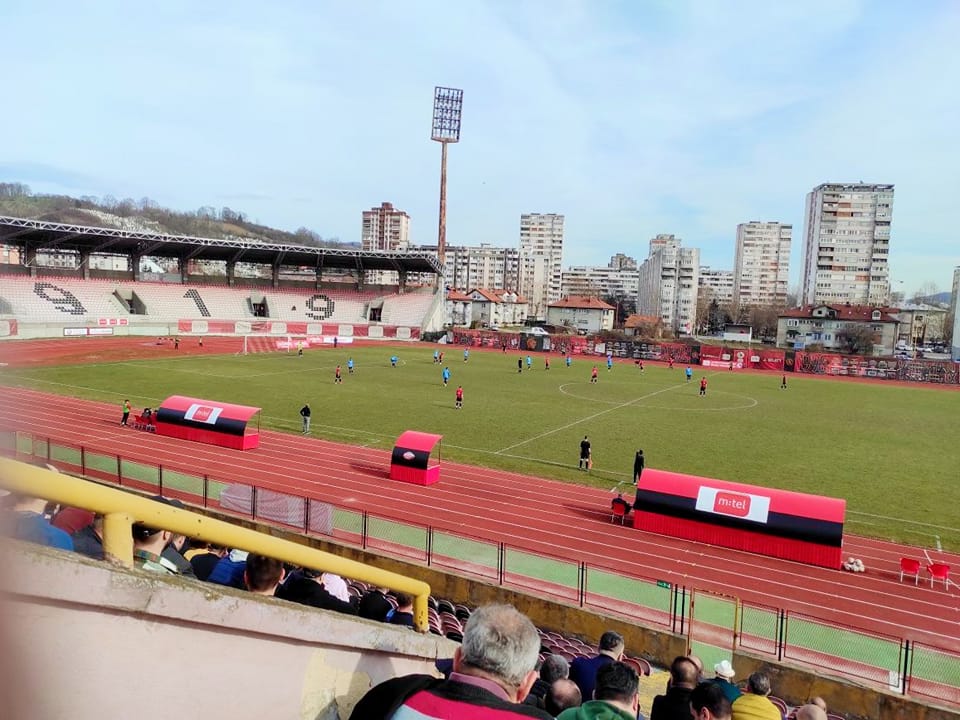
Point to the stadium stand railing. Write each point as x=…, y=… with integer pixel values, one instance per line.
x=121, y=510
x=716, y=626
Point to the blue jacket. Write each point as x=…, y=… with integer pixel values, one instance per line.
x=583, y=671
x=35, y=528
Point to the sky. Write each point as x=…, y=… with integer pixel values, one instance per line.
x=630, y=117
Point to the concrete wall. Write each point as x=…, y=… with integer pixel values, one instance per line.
x=97, y=642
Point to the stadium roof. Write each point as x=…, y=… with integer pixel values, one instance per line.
x=54, y=237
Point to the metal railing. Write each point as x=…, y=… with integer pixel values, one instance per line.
x=713, y=622
x=121, y=510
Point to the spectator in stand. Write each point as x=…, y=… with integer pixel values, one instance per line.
x=71, y=519
x=336, y=586
x=229, y=569
x=374, y=605
x=675, y=704
x=695, y=659
x=493, y=671
x=403, y=614
x=89, y=540
x=27, y=521
x=811, y=712
x=708, y=702
x=724, y=679
x=172, y=552
x=306, y=587
x=148, y=547
x=262, y=575
x=583, y=671
x=562, y=695
x=754, y=703
x=203, y=558
x=616, y=696
x=553, y=668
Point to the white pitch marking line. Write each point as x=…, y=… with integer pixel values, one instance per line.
x=589, y=417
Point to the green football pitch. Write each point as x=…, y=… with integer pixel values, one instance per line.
x=892, y=452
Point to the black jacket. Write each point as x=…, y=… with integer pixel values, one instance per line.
x=299, y=588
x=374, y=606
x=383, y=700
x=675, y=705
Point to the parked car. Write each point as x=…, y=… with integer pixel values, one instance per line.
x=537, y=331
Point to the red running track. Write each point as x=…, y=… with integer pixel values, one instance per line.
x=541, y=516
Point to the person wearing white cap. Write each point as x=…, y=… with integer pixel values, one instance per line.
x=725, y=674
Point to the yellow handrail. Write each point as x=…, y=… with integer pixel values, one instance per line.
x=122, y=509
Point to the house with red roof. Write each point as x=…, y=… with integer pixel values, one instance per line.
x=493, y=308
x=648, y=326
x=584, y=314
x=458, y=309
x=822, y=324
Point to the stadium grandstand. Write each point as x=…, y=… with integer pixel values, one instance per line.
x=78, y=280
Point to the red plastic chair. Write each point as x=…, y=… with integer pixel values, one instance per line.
x=619, y=510
x=909, y=566
x=939, y=571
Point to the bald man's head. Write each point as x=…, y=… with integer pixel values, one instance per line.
x=811, y=712
x=819, y=702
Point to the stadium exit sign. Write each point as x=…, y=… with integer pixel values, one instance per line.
x=664, y=584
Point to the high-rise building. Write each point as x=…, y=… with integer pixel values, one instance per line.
x=668, y=284
x=541, y=258
x=761, y=269
x=384, y=228
x=955, y=309
x=716, y=284
x=602, y=282
x=846, y=244
x=485, y=266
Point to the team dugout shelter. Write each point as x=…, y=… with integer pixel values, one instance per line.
x=209, y=421
x=779, y=523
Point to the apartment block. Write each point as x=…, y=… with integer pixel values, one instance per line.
x=847, y=244
x=761, y=268
x=668, y=284
x=541, y=258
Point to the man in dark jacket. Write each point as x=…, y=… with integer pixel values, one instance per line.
x=583, y=671
x=305, y=587
x=374, y=605
x=637, y=466
x=675, y=705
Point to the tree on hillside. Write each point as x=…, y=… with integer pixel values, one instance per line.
x=857, y=339
x=926, y=291
x=14, y=190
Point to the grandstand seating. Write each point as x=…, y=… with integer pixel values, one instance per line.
x=174, y=302
x=407, y=309
x=348, y=306
x=60, y=299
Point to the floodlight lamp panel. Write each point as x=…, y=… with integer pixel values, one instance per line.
x=447, y=107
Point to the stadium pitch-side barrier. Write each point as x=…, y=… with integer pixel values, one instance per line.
x=939, y=372
x=714, y=624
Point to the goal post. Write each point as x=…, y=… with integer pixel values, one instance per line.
x=256, y=343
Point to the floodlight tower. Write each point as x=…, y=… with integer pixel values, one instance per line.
x=447, y=107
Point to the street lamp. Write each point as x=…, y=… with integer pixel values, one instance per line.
x=447, y=108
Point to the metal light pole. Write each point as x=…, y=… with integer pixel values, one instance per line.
x=447, y=108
